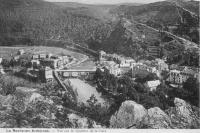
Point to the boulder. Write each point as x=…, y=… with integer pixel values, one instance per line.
x=6, y=100
x=183, y=110
x=82, y=122
x=183, y=115
x=35, y=97
x=129, y=115
x=157, y=119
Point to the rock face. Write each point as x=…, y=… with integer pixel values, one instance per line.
x=82, y=122
x=133, y=115
x=129, y=114
x=157, y=119
x=183, y=115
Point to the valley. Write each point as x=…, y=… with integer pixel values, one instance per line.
x=75, y=65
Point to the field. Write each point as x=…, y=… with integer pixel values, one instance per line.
x=6, y=52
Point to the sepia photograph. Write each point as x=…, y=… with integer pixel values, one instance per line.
x=99, y=66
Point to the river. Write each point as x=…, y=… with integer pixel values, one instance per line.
x=84, y=91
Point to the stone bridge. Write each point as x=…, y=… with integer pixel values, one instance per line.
x=77, y=73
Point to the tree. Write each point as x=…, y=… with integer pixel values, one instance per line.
x=8, y=87
x=191, y=86
x=98, y=74
x=5, y=63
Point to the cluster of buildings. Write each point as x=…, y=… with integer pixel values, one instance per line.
x=116, y=64
x=49, y=60
x=180, y=74
x=119, y=65
x=42, y=65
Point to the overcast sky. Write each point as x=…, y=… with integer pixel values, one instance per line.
x=106, y=1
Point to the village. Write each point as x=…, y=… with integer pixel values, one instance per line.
x=174, y=75
x=41, y=67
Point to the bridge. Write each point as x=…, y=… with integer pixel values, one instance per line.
x=75, y=73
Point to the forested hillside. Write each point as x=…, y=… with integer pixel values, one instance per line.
x=162, y=15
x=33, y=22
x=129, y=39
x=25, y=21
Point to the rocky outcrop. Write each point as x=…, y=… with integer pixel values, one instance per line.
x=157, y=119
x=82, y=122
x=183, y=115
x=133, y=115
x=129, y=115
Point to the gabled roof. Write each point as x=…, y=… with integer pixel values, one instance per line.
x=188, y=71
x=153, y=83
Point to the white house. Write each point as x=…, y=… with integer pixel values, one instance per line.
x=112, y=67
x=162, y=66
x=43, y=56
x=21, y=52
x=1, y=70
x=35, y=57
x=175, y=77
x=35, y=63
x=1, y=59
x=180, y=76
x=102, y=55
x=153, y=84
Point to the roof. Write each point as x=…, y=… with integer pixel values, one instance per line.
x=175, y=71
x=188, y=71
x=153, y=83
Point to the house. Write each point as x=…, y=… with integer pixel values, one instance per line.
x=16, y=58
x=112, y=67
x=188, y=72
x=102, y=55
x=52, y=63
x=46, y=74
x=42, y=56
x=153, y=84
x=49, y=55
x=35, y=63
x=1, y=59
x=181, y=74
x=143, y=67
x=126, y=62
x=65, y=59
x=1, y=70
x=175, y=77
x=35, y=57
x=21, y=52
x=161, y=65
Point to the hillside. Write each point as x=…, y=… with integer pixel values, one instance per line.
x=36, y=22
x=165, y=15
x=101, y=12
x=127, y=38
x=27, y=21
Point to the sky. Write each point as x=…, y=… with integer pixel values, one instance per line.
x=106, y=1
